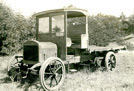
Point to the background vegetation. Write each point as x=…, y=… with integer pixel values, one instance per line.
x=15, y=29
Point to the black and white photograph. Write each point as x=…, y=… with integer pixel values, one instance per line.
x=66, y=45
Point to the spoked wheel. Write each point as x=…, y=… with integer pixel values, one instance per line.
x=52, y=73
x=13, y=68
x=110, y=61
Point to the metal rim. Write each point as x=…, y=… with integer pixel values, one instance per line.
x=52, y=73
x=110, y=61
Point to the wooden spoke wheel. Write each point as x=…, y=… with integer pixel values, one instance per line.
x=52, y=73
x=13, y=67
x=110, y=61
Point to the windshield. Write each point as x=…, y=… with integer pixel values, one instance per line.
x=56, y=22
x=58, y=25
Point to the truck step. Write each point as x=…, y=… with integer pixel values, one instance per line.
x=72, y=70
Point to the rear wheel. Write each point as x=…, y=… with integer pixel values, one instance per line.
x=52, y=73
x=13, y=67
x=110, y=61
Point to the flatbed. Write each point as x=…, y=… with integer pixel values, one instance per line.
x=110, y=47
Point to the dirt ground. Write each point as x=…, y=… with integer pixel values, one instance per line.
x=121, y=79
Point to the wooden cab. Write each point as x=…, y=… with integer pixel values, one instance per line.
x=54, y=26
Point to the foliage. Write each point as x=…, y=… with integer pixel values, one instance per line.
x=104, y=29
x=130, y=24
x=56, y=29
x=15, y=29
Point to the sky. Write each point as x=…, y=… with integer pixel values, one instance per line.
x=110, y=7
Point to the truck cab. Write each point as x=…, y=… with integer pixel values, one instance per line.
x=56, y=26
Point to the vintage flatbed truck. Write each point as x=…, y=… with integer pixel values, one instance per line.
x=57, y=44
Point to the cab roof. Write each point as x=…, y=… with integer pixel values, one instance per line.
x=71, y=12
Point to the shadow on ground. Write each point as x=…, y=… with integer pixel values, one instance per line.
x=28, y=84
x=5, y=80
x=31, y=83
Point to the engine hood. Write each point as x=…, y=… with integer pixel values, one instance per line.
x=35, y=51
x=46, y=45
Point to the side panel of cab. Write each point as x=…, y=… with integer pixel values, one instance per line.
x=54, y=31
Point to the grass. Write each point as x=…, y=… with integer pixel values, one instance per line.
x=121, y=79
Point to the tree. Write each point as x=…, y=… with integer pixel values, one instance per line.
x=15, y=29
x=104, y=29
x=131, y=24
x=124, y=22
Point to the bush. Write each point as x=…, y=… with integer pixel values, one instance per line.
x=15, y=29
x=104, y=29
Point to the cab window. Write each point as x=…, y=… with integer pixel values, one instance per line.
x=43, y=25
x=58, y=25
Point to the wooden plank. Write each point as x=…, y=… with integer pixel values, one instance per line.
x=75, y=31
x=93, y=48
x=73, y=59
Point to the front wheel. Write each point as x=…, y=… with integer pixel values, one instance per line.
x=52, y=73
x=110, y=61
x=13, y=67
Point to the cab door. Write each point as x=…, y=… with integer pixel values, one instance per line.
x=53, y=30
